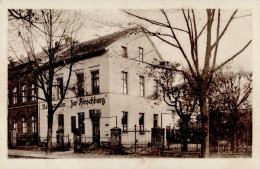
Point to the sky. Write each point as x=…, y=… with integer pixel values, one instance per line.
x=101, y=22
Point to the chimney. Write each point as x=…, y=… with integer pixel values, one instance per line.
x=68, y=41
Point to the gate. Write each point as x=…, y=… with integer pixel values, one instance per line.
x=136, y=142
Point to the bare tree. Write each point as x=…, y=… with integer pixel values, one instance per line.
x=53, y=32
x=198, y=77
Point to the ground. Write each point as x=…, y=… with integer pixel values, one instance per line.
x=101, y=154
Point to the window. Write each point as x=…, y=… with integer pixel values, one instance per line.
x=33, y=92
x=15, y=95
x=61, y=122
x=24, y=125
x=124, y=83
x=73, y=123
x=81, y=118
x=34, y=129
x=60, y=87
x=24, y=97
x=15, y=124
x=141, y=86
x=80, y=84
x=155, y=120
x=141, y=54
x=141, y=122
x=124, y=54
x=95, y=82
x=124, y=121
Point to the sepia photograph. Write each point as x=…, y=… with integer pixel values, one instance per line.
x=129, y=83
x=123, y=84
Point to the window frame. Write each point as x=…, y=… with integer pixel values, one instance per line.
x=61, y=122
x=141, y=122
x=81, y=124
x=34, y=124
x=142, y=85
x=124, y=83
x=155, y=120
x=95, y=89
x=24, y=93
x=124, y=122
x=24, y=125
x=80, y=84
x=141, y=54
x=33, y=92
x=15, y=96
x=59, y=87
x=124, y=53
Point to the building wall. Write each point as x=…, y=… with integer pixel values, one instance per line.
x=110, y=66
x=17, y=77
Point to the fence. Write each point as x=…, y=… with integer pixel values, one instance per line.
x=60, y=142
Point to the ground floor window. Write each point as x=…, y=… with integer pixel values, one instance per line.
x=34, y=129
x=73, y=124
x=141, y=122
x=124, y=121
x=24, y=125
x=81, y=118
x=155, y=120
x=61, y=122
x=15, y=124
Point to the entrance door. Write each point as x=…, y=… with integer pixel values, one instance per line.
x=96, y=130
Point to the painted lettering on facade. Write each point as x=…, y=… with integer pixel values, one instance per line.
x=80, y=102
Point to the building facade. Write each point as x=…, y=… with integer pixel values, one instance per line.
x=22, y=106
x=108, y=89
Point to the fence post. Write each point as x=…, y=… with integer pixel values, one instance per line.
x=115, y=146
x=135, y=139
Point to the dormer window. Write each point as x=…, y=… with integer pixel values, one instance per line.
x=141, y=54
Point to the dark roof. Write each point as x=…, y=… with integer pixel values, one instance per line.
x=97, y=44
x=89, y=48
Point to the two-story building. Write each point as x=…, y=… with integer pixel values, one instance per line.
x=22, y=106
x=108, y=88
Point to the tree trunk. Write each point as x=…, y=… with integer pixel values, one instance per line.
x=205, y=125
x=49, y=130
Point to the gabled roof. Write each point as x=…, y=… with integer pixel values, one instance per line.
x=93, y=47
x=98, y=44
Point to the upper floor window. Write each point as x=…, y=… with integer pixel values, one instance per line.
x=60, y=87
x=141, y=54
x=95, y=82
x=124, y=121
x=24, y=96
x=80, y=84
x=141, y=82
x=124, y=83
x=141, y=122
x=124, y=54
x=15, y=95
x=33, y=92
